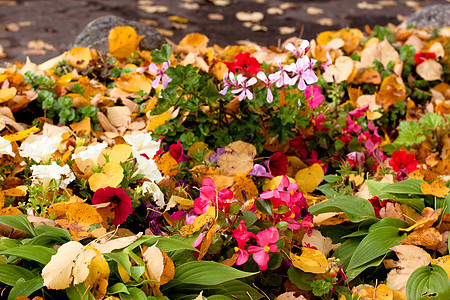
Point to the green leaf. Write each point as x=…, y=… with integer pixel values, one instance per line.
x=207, y=273
x=377, y=243
x=79, y=292
x=19, y=222
x=428, y=282
x=9, y=274
x=300, y=278
x=328, y=191
x=375, y=187
x=373, y=263
x=55, y=231
x=249, y=217
x=346, y=250
x=410, y=133
x=40, y=254
x=409, y=186
x=446, y=205
x=26, y=288
x=118, y=288
x=432, y=120
x=264, y=206
x=167, y=244
x=357, y=209
x=362, y=232
x=238, y=289
x=134, y=294
x=389, y=222
x=161, y=55
x=121, y=258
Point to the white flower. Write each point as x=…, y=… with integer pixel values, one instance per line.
x=148, y=168
x=153, y=189
x=142, y=143
x=5, y=147
x=39, y=147
x=91, y=153
x=45, y=173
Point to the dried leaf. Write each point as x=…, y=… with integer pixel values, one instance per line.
x=238, y=158
x=436, y=188
x=21, y=134
x=97, y=279
x=78, y=57
x=316, y=239
x=69, y=265
x=199, y=222
x=310, y=261
x=112, y=176
x=253, y=17
x=430, y=70
x=158, y=265
x=6, y=94
x=133, y=83
x=111, y=245
x=341, y=70
x=123, y=41
x=308, y=179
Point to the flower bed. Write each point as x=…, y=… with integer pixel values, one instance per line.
x=315, y=170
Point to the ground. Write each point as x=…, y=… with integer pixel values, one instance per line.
x=57, y=22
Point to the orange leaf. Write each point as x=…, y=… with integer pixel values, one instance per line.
x=436, y=188
x=133, y=83
x=123, y=41
x=79, y=57
x=198, y=223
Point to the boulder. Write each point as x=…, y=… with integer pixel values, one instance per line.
x=95, y=34
x=434, y=16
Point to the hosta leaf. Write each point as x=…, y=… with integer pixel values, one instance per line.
x=428, y=282
x=377, y=243
x=409, y=186
x=9, y=274
x=40, y=254
x=207, y=273
x=26, y=288
x=357, y=209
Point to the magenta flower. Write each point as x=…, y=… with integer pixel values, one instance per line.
x=307, y=223
x=317, y=122
x=243, y=87
x=260, y=171
x=359, y=111
x=314, y=95
x=352, y=125
x=242, y=236
x=267, y=242
x=356, y=159
x=285, y=193
x=177, y=152
x=118, y=198
x=207, y=196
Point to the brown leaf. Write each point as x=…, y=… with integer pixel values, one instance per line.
x=428, y=237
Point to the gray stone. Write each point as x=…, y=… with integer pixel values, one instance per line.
x=95, y=34
x=434, y=16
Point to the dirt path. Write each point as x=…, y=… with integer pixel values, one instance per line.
x=56, y=22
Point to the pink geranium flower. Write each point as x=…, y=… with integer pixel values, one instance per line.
x=160, y=73
x=267, y=243
x=268, y=81
x=302, y=73
x=118, y=198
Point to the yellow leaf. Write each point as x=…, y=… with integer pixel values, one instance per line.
x=219, y=69
x=21, y=134
x=80, y=218
x=65, y=78
x=8, y=211
x=123, y=41
x=326, y=36
x=436, y=188
x=133, y=83
x=123, y=273
x=183, y=203
x=198, y=223
x=383, y=292
x=195, y=40
x=112, y=175
x=177, y=19
x=373, y=115
x=120, y=153
x=167, y=165
x=310, y=261
x=97, y=279
x=444, y=262
x=79, y=57
x=158, y=120
x=308, y=179
x=6, y=94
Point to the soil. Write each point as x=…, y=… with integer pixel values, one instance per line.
x=57, y=22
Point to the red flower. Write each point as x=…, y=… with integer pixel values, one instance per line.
x=377, y=205
x=244, y=64
x=402, y=160
x=118, y=198
x=278, y=164
x=422, y=57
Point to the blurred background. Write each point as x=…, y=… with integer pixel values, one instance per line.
x=42, y=29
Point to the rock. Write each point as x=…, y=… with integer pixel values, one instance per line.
x=431, y=16
x=96, y=33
